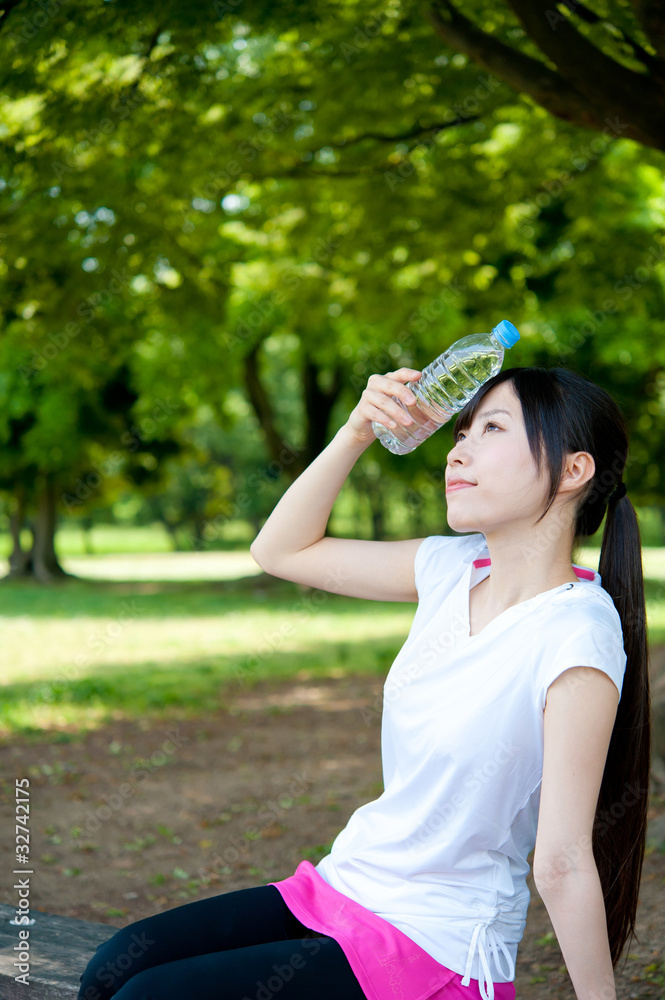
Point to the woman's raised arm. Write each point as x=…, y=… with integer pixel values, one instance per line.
x=292, y=543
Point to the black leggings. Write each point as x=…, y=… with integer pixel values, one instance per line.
x=242, y=945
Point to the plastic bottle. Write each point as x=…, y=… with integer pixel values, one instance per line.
x=446, y=385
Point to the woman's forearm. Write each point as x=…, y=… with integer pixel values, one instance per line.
x=301, y=516
x=577, y=911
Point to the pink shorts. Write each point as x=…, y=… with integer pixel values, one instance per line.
x=387, y=964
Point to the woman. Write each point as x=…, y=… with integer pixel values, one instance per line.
x=516, y=714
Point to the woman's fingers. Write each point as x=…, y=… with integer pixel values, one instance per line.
x=392, y=384
x=387, y=406
x=380, y=401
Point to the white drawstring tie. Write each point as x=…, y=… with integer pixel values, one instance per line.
x=483, y=935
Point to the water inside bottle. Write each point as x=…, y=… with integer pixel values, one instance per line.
x=452, y=386
x=442, y=392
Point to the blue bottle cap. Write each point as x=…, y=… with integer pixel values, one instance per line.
x=506, y=333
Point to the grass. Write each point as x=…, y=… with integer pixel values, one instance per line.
x=103, y=538
x=85, y=653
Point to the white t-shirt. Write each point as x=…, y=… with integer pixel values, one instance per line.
x=442, y=853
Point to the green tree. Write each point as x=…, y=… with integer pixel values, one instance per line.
x=278, y=200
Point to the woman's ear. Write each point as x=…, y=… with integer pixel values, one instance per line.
x=579, y=468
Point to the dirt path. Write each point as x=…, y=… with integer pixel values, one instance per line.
x=135, y=819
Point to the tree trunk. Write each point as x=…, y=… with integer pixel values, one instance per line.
x=86, y=528
x=199, y=541
x=19, y=558
x=45, y=565
x=255, y=522
x=417, y=527
x=40, y=562
x=172, y=530
x=376, y=503
x=260, y=400
x=318, y=406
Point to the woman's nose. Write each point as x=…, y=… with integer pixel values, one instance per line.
x=456, y=453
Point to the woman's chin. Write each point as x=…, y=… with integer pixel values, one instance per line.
x=457, y=522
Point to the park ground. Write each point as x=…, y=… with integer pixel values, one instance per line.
x=161, y=772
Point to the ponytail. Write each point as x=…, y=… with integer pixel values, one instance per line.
x=619, y=833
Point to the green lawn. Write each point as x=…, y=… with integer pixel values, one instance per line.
x=89, y=651
x=70, y=540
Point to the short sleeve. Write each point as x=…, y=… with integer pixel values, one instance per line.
x=582, y=640
x=441, y=560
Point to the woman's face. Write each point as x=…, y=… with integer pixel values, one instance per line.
x=493, y=454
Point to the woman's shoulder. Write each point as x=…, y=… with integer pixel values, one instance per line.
x=584, y=605
x=438, y=547
x=440, y=558
x=577, y=627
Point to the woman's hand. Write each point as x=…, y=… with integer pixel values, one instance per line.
x=377, y=403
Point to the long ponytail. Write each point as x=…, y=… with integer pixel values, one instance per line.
x=619, y=834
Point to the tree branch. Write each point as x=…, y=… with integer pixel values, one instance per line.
x=152, y=42
x=587, y=86
x=7, y=7
x=302, y=170
x=646, y=58
x=584, y=66
x=417, y=130
x=608, y=86
x=650, y=16
x=523, y=73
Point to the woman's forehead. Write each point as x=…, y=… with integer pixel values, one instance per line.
x=500, y=396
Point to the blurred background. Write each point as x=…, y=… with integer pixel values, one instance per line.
x=216, y=221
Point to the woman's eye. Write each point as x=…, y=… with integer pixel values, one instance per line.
x=460, y=434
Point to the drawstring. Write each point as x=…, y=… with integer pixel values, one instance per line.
x=484, y=934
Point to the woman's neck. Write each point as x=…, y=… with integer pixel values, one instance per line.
x=522, y=569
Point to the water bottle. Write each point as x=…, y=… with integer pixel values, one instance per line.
x=446, y=385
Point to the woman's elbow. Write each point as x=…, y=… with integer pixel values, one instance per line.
x=553, y=869
x=258, y=554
